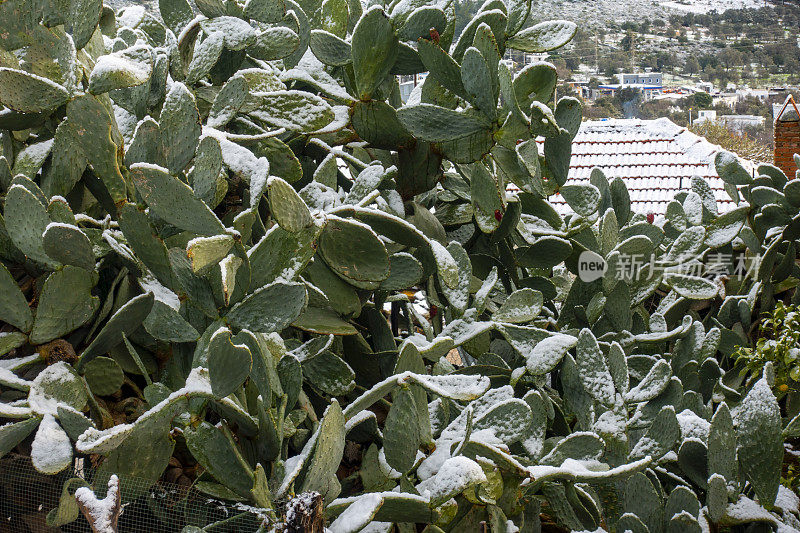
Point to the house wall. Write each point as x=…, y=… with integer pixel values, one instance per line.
x=646, y=78
x=787, y=143
x=739, y=122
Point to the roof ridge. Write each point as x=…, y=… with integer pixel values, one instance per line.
x=785, y=108
x=614, y=165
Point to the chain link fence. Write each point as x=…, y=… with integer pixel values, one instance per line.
x=28, y=497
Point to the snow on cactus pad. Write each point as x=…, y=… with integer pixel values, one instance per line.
x=29, y=93
x=760, y=445
x=57, y=384
x=453, y=477
x=51, y=451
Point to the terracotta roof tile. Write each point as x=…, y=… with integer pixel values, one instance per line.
x=655, y=158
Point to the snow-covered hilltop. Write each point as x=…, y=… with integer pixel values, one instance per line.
x=599, y=11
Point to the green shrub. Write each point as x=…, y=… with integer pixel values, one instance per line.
x=779, y=333
x=214, y=229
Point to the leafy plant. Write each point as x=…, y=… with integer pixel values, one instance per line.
x=744, y=144
x=215, y=227
x=779, y=344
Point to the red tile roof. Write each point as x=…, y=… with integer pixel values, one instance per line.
x=655, y=159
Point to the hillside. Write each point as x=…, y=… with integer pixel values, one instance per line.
x=601, y=12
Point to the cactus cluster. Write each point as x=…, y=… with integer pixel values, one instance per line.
x=228, y=248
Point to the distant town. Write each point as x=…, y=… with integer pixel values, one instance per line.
x=724, y=74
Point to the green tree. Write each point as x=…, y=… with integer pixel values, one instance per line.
x=731, y=58
x=703, y=100
x=628, y=42
x=707, y=61
x=692, y=66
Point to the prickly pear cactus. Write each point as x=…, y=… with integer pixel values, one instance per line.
x=228, y=247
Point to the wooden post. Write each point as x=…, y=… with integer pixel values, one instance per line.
x=102, y=515
x=305, y=514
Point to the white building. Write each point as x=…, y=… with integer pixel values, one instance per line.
x=761, y=94
x=408, y=83
x=727, y=99
x=644, y=78
x=740, y=122
x=705, y=115
x=405, y=90
x=705, y=86
x=650, y=83
x=733, y=122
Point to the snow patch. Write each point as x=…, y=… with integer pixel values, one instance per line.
x=455, y=475
x=746, y=510
x=10, y=379
x=58, y=375
x=692, y=426
x=18, y=362
x=358, y=514
x=51, y=450
x=162, y=294
x=101, y=511
x=787, y=501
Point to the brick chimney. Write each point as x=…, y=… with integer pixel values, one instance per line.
x=787, y=137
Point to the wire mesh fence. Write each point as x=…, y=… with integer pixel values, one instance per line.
x=27, y=497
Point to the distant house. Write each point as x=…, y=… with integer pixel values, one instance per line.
x=705, y=115
x=673, y=96
x=581, y=86
x=740, y=122
x=536, y=58
x=726, y=99
x=761, y=94
x=650, y=83
x=646, y=78
x=704, y=86
x=733, y=122
x=655, y=158
x=408, y=83
x=405, y=90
